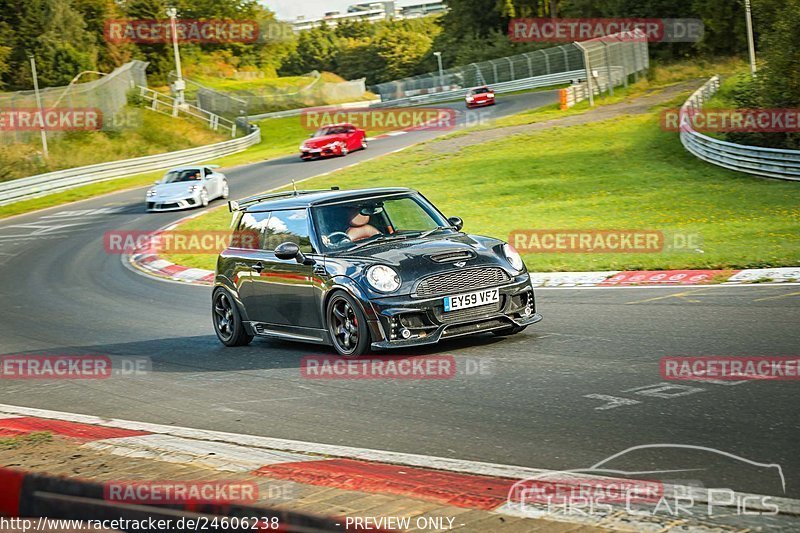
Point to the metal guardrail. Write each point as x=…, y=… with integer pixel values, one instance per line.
x=766, y=162
x=60, y=180
x=296, y=112
x=505, y=87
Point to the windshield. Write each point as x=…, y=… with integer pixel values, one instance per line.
x=481, y=90
x=178, y=176
x=346, y=225
x=332, y=130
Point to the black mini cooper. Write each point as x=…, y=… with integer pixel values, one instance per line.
x=363, y=269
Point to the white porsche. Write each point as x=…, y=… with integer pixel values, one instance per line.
x=187, y=187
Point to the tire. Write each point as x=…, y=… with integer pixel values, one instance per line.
x=226, y=192
x=344, y=151
x=204, y=198
x=347, y=325
x=513, y=330
x=227, y=320
x=364, y=143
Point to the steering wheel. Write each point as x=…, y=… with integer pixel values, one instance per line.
x=343, y=237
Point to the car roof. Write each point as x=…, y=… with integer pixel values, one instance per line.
x=338, y=124
x=302, y=199
x=178, y=169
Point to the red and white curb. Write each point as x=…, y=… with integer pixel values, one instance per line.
x=155, y=265
x=617, y=278
x=465, y=484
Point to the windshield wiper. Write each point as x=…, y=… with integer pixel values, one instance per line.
x=437, y=228
x=377, y=239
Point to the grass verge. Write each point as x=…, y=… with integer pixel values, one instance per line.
x=624, y=173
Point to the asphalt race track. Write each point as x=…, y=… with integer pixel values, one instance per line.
x=582, y=385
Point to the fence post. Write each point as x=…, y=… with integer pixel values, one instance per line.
x=530, y=65
x=494, y=70
x=546, y=61
x=636, y=62
x=588, y=67
x=511, y=69
x=608, y=69
x=566, y=58
x=620, y=51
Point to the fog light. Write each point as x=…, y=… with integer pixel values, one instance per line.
x=528, y=311
x=405, y=333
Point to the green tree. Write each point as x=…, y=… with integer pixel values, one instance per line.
x=316, y=50
x=401, y=51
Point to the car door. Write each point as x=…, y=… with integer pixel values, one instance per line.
x=212, y=182
x=352, y=138
x=285, y=293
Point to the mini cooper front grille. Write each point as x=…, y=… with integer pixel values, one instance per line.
x=461, y=281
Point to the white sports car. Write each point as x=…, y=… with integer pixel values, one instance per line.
x=186, y=187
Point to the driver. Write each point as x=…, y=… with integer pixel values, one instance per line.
x=360, y=228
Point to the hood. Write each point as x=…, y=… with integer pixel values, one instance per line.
x=175, y=189
x=417, y=258
x=319, y=142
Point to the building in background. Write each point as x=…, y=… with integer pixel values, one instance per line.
x=373, y=12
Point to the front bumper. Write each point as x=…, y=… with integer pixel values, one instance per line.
x=483, y=103
x=317, y=153
x=172, y=204
x=428, y=323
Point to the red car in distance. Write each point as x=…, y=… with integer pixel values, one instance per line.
x=479, y=97
x=333, y=140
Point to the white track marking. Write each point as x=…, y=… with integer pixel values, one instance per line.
x=217, y=455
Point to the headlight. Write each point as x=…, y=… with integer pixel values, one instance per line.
x=332, y=145
x=470, y=99
x=513, y=257
x=490, y=95
x=383, y=278
x=151, y=192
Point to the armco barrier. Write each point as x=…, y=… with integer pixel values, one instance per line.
x=60, y=180
x=766, y=162
x=36, y=496
x=296, y=112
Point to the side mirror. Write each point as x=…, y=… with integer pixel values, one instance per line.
x=456, y=223
x=289, y=250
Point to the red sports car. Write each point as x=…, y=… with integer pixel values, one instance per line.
x=336, y=139
x=479, y=97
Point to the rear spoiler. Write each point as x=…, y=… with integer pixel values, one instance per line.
x=238, y=205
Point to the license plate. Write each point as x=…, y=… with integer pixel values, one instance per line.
x=472, y=299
